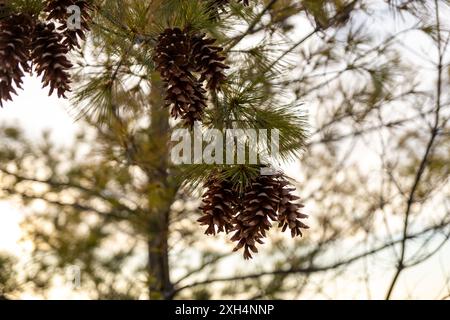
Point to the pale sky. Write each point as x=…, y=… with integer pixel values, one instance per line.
x=34, y=111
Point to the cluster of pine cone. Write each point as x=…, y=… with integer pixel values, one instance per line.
x=186, y=61
x=27, y=43
x=250, y=214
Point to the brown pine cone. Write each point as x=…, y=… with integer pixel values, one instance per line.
x=260, y=205
x=215, y=7
x=184, y=92
x=218, y=207
x=15, y=31
x=49, y=58
x=208, y=61
x=289, y=214
x=57, y=10
x=187, y=98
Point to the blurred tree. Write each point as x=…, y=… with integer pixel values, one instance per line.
x=375, y=179
x=8, y=276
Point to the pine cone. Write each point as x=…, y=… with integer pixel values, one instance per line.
x=208, y=61
x=218, y=208
x=15, y=41
x=72, y=36
x=4, y=9
x=288, y=211
x=57, y=10
x=49, y=58
x=185, y=92
x=260, y=205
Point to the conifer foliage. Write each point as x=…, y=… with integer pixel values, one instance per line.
x=25, y=41
x=223, y=3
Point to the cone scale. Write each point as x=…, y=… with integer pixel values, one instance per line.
x=252, y=213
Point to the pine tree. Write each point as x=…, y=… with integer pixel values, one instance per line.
x=184, y=91
x=126, y=215
x=176, y=50
x=219, y=207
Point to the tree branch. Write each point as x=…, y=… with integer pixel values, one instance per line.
x=434, y=132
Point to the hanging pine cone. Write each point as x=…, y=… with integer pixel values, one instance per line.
x=49, y=58
x=57, y=10
x=268, y=198
x=178, y=56
x=172, y=53
x=15, y=40
x=208, y=61
x=289, y=214
x=260, y=203
x=184, y=92
x=219, y=204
